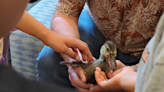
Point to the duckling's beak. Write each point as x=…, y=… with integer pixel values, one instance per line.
x=112, y=61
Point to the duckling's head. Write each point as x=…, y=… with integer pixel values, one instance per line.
x=108, y=52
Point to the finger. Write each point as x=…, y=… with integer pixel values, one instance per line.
x=83, y=47
x=99, y=77
x=81, y=74
x=100, y=73
x=107, y=84
x=74, y=78
x=75, y=50
x=84, y=56
x=103, y=74
x=71, y=54
x=110, y=75
x=120, y=64
x=78, y=83
x=98, y=69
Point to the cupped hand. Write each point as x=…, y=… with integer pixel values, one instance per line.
x=124, y=78
x=78, y=80
x=62, y=44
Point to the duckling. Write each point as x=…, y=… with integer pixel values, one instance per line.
x=106, y=60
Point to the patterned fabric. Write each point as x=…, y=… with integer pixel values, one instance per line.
x=3, y=46
x=128, y=23
x=25, y=48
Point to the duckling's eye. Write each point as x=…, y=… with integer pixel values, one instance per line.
x=107, y=49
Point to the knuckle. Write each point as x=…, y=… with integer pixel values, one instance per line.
x=85, y=45
x=66, y=51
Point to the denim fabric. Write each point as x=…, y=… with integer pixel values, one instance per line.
x=48, y=61
x=11, y=81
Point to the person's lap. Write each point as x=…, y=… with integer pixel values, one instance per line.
x=48, y=61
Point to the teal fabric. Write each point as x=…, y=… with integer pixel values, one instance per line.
x=43, y=11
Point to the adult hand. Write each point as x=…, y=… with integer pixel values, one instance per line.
x=124, y=78
x=62, y=44
x=78, y=80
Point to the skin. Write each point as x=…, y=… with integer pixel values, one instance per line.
x=15, y=16
x=30, y=25
x=66, y=25
x=25, y=22
x=124, y=78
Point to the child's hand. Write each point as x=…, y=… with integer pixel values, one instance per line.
x=121, y=79
x=62, y=44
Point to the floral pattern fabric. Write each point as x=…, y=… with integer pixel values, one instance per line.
x=130, y=24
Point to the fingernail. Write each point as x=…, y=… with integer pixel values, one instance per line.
x=77, y=58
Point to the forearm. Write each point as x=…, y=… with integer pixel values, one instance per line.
x=55, y=40
x=65, y=25
x=32, y=26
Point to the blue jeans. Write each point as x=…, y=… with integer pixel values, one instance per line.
x=48, y=61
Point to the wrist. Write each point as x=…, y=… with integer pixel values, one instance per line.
x=45, y=34
x=48, y=37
